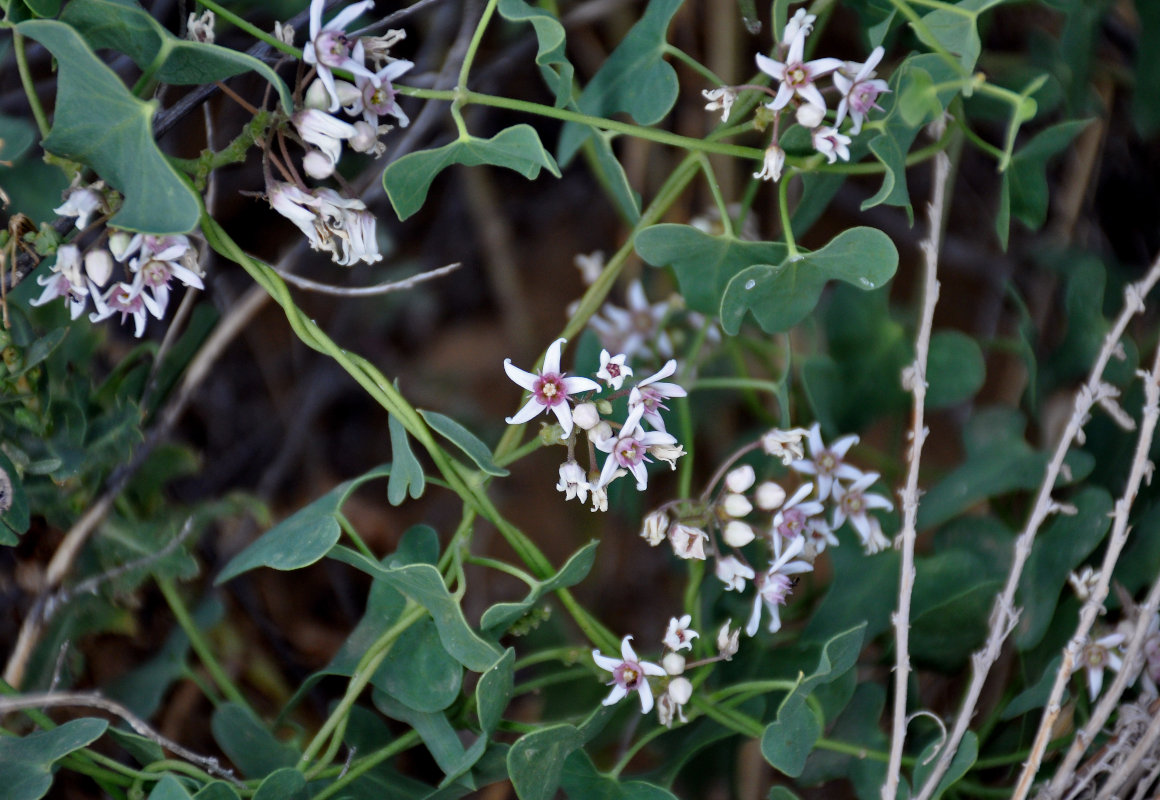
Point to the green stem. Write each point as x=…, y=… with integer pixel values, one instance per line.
x=924, y=33
x=504, y=567
x=752, y=688
x=250, y=28
x=693, y=64
x=773, y=387
x=199, y=644
x=715, y=189
x=731, y=719
x=370, y=661
x=29, y=86
x=567, y=655
x=783, y=208
x=349, y=530
x=527, y=447
x=144, y=84
x=637, y=746
x=361, y=766
x=473, y=46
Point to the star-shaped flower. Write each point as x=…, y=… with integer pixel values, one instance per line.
x=826, y=462
x=628, y=675
x=550, y=389
x=329, y=48
x=860, y=93
x=797, y=76
x=613, y=370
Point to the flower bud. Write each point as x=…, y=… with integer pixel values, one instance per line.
x=99, y=266
x=739, y=479
x=810, y=115
x=736, y=505
x=681, y=689
x=366, y=139
x=738, y=534
x=600, y=432
x=769, y=496
x=317, y=165
x=655, y=526
x=728, y=643
x=688, y=542
x=674, y=663
x=586, y=416
x=119, y=243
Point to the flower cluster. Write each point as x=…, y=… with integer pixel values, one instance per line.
x=331, y=223
x=798, y=88
x=151, y=263
x=581, y=404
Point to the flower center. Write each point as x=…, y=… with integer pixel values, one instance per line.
x=612, y=369
x=1097, y=656
x=791, y=523
x=332, y=47
x=826, y=463
x=776, y=588
x=853, y=503
x=863, y=97
x=549, y=389
x=629, y=451
x=797, y=75
x=628, y=675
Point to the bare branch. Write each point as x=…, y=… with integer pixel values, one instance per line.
x=366, y=291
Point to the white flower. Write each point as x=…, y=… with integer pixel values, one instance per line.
x=769, y=496
x=128, y=300
x=800, y=24
x=774, y=585
x=366, y=138
x=854, y=504
x=830, y=143
x=792, y=519
x=673, y=701
x=323, y=131
x=656, y=525
x=318, y=95
x=80, y=203
x=679, y=636
x=786, y=445
x=688, y=542
x=721, y=99
x=378, y=48
x=573, y=481
x=627, y=450
x=772, y=164
x=860, y=93
x=739, y=479
x=1099, y=655
x=797, y=76
x=737, y=534
x=1083, y=582
x=628, y=675
x=586, y=416
x=65, y=280
x=826, y=463
x=550, y=389
x=200, y=29
x=600, y=494
x=667, y=452
x=651, y=393
x=590, y=266
x=329, y=47
x=378, y=96
x=613, y=370
x=160, y=259
x=734, y=574
x=728, y=642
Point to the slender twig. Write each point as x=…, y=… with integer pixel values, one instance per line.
x=914, y=379
x=1004, y=614
x=88, y=700
x=366, y=291
x=1092, y=607
x=1128, y=766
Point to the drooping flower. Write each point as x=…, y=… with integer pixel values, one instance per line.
x=826, y=462
x=688, y=542
x=339, y=225
x=573, y=481
x=651, y=393
x=81, y=203
x=128, y=300
x=1099, y=655
x=854, y=503
x=672, y=702
x=797, y=76
x=860, y=93
x=720, y=99
x=613, y=370
x=800, y=24
x=324, y=131
x=629, y=674
x=64, y=279
x=728, y=641
x=329, y=48
x=775, y=584
x=731, y=572
x=771, y=164
x=550, y=389
x=679, y=636
x=628, y=449
x=784, y=444
x=655, y=526
x=831, y=143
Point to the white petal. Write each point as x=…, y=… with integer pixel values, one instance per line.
x=646, y=698
x=552, y=356
x=618, y=692
x=530, y=409
x=604, y=662
x=525, y=380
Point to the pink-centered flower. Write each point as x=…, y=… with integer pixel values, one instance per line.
x=860, y=93
x=66, y=280
x=613, y=370
x=679, y=636
x=128, y=300
x=631, y=330
x=629, y=674
x=854, y=503
x=329, y=48
x=628, y=449
x=377, y=97
x=1099, y=655
x=775, y=584
x=797, y=76
x=826, y=462
x=550, y=389
x=793, y=518
x=831, y=143
x=651, y=393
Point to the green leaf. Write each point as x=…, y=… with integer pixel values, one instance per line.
x=1060, y=547
x=953, y=594
x=553, y=61
x=16, y=136
x=285, y=784
x=1036, y=695
x=14, y=502
x=218, y=790
x=536, y=761
x=635, y=79
x=406, y=471
x=423, y=584
x=169, y=788
x=302, y=538
x=518, y=148
x=956, y=31
x=781, y=793
x=788, y=740
x=130, y=29
x=964, y=759
x=781, y=296
x=99, y=123
x=857, y=724
x=497, y=618
x=610, y=173
x=465, y=440
x=703, y=264
x=858, y=596
x=580, y=780
x=955, y=369
x=418, y=671
x=248, y=743
x=1146, y=89
x=494, y=691
x=26, y=763
x=44, y=8
x=143, y=751
x=1024, y=187
x=436, y=732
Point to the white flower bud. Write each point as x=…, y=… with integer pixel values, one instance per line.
x=99, y=266
x=681, y=689
x=786, y=445
x=655, y=526
x=586, y=416
x=736, y=505
x=728, y=643
x=366, y=139
x=739, y=479
x=119, y=243
x=810, y=115
x=317, y=165
x=674, y=663
x=769, y=496
x=738, y=534
x=600, y=432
